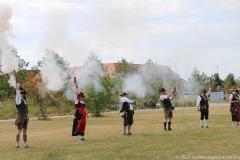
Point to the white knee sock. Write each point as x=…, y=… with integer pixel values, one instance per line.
x=206, y=122
x=234, y=123
x=129, y=129
x=201, y=123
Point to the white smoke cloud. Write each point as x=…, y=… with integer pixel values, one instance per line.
x=134, y=83
x=140, y=83
x=12, y=80
x=90, y=74
x=53, y=75
x=8, y=61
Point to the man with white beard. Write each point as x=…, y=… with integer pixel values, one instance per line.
x=126, y=111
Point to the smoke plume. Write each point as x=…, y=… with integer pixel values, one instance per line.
x=53, y=75
x=90, y=74
x=143, y=81
x=87, y=75
x=8, y=61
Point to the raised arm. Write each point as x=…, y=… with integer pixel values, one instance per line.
x=16, y=79
x=18, y=95
x=75, y=86
x=209, y=89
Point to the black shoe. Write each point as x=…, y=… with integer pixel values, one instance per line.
x=169, y=129
x=129, y=133
x=206, y=126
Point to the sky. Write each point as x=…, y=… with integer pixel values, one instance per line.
x=182, y=34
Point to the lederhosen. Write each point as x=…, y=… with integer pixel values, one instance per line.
x=234, y=109
x=79, y=121
x=22, y=115
x=204, y=108
x=128, y=114
x=167, y=108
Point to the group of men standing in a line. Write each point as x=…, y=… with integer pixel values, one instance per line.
x=126, y=110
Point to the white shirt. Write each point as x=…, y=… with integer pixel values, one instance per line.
x=162, y=97
x=19, y=98
x=199, y=99
x=76, y=101
x=125, y=99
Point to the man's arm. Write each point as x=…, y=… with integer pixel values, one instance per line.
x=18, y=94
x=198, y=103
x=209, y=90
x=16, y=81
x=75, y=86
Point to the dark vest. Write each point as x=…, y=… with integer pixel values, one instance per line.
x=235, y=98
x=125, y=107
x=167, y=103
x=80, y=105
x=204, y=102
x=77, y=114
x=22, y=108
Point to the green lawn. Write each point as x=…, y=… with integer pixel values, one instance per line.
x=51, y=140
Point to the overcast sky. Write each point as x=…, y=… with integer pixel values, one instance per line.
x=189, y=33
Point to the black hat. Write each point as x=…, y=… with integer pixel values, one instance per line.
x=22, y=91
x=162, y=90
x=123, y=94
x=204, y=91
x=81, y=94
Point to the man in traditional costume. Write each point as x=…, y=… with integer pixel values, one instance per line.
x=126, y=111
x=22, y=114
x=167, y=108
x=80, y=116
x=203, y=107
x=234, y=104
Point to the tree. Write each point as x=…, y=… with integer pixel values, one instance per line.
x=50, y=98
x=199, y=79
x=229, y=82
x=124, y=67
x=217, y=82
x=99, y=101
x=22, y=64
x=60, y=61
x=6, y=91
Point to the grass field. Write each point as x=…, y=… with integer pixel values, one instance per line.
x=51, y=140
